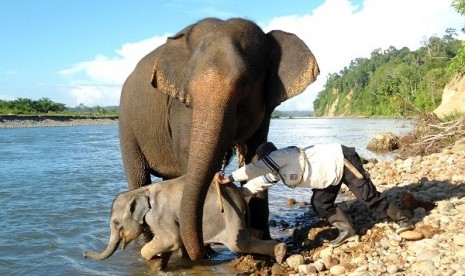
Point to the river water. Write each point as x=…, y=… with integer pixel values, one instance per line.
x=57, y=185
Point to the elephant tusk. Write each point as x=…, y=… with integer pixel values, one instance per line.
x=352, y=169
x=220, y=198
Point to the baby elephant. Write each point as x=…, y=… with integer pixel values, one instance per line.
x=159, y=204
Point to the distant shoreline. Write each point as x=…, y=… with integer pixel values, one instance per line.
x=26, y=121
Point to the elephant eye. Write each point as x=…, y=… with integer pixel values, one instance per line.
x=116, y=223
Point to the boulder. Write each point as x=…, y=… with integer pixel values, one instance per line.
x=384, y=142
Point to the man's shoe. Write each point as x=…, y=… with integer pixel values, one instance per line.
x=403, y=226
x=346, y=231
x=344, y=236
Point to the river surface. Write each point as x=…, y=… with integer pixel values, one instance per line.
x=57, y=185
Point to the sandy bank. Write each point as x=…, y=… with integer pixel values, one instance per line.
x=19, y=121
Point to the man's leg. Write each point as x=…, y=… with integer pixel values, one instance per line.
x=366, y=192
x=323, y=204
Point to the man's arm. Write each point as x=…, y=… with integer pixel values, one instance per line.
x=259, y=184
x=268, y=164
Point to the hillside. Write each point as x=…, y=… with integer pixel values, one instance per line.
x=392, y=82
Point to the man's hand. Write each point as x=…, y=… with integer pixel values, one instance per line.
x=220, y=178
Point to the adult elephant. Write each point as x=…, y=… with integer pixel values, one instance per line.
x=211, y=86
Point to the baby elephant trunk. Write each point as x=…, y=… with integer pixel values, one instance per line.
x=111, y=248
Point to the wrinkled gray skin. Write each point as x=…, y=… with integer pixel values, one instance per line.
x=210, y=87
x=159, y=206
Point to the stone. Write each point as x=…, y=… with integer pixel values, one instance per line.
x=319, y=265
x=459, y=239
x=425, y=268
x=306, y=269
x=392, y=269
x=337, y=270
x=291, y=201
x=276, y=269
x=384, y=142
x=295, y=260
x=444, y=206
x=327, y=252
x=330, y=262
x=411, y=235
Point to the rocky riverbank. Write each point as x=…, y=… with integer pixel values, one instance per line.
x=18, y=121
x=435, y=247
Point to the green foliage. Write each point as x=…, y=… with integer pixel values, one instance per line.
x=459, y=6
x=393, y=82
x=28, y=106
x=45, y=106
x=457, y=64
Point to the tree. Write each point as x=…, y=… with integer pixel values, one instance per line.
x=459, y=6
x=393, y=81
x=458, y=62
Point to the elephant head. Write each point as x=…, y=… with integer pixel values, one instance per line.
x=232, y=75
x=127, y=216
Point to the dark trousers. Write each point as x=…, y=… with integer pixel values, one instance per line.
x=363, y=189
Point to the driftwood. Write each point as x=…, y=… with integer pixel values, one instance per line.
x=432, y=135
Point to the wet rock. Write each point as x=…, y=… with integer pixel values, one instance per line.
x=284, y=223
x=291, y=201
x=384, y=142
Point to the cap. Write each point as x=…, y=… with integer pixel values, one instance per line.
x=265, y=149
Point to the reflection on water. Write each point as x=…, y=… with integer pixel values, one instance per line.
x=58, y=184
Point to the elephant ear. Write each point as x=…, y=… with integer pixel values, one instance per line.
x=293, y=67
x=139, y=208
x=168, y=71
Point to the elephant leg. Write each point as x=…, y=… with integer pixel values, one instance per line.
x=167, y=239
x=135, y=164
x=160, y=263
x=156, y=248
x=247, y=244
x=259, y=214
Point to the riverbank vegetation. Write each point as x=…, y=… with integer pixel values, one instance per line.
x=394, y=82
x=45, y=106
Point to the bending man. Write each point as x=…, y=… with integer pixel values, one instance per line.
x=323, y=168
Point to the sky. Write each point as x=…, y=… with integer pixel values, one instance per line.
x=81, y=51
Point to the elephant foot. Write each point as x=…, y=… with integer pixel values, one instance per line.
x=280, y=251
x=156, y=265
x=159, y=263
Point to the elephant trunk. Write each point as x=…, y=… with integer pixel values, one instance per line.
x=212, y=134
x=113, y=244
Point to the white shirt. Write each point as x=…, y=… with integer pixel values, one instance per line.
x=317, y=167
